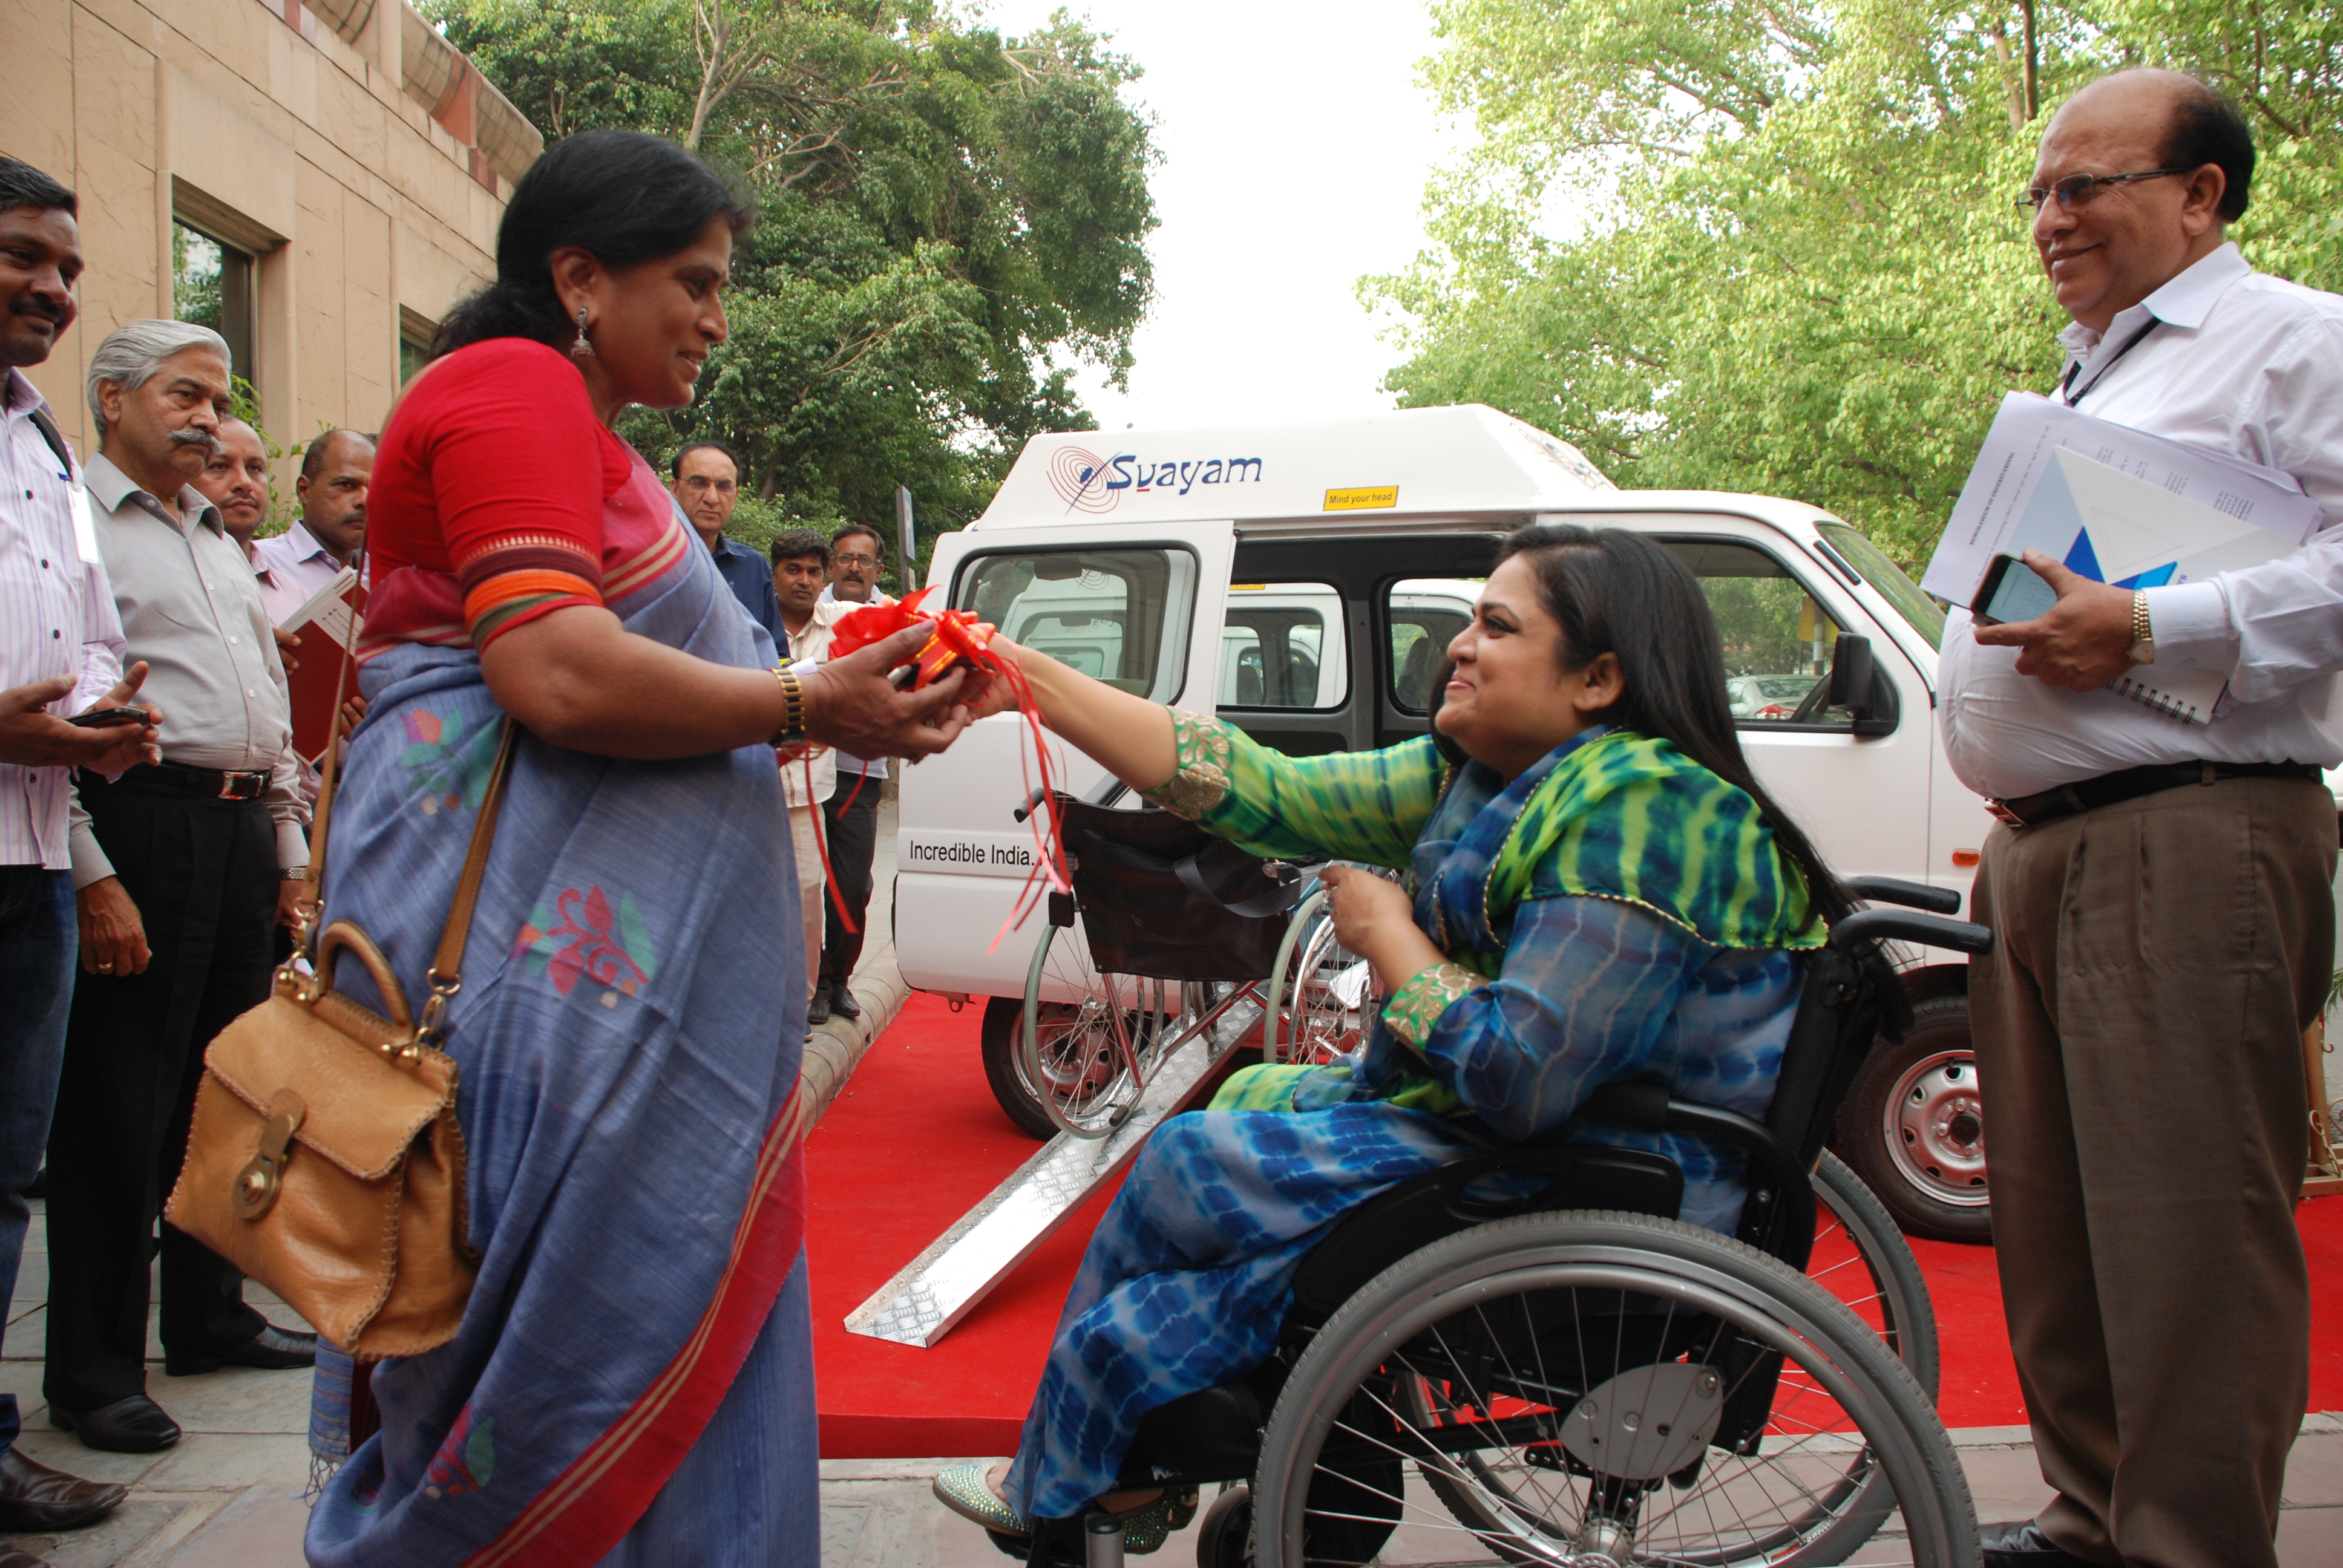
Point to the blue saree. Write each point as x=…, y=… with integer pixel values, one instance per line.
x=631, y=1382
x=1615, y=910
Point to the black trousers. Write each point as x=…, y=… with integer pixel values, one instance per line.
x=853, y=841
x=203, y=873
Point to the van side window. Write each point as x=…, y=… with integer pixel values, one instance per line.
x=1777, y=640
x=1118, y=614
x=1282, y=646
x=1424, y=615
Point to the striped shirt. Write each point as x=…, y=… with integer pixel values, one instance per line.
x=57, y=618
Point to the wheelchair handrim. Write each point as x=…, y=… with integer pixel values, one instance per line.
x=1775, y=1319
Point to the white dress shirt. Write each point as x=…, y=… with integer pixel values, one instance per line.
x=811, y=646
x=57, y=618
x=2244, y=364
x=191, y=608
x=869, y=767
x=296, y=565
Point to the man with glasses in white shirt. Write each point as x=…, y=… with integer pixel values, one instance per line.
x=2160, y=890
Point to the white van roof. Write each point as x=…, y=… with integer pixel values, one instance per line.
x=1468, y=458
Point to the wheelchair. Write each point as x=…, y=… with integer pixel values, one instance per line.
x=1524, y=1357
x=1178, y=930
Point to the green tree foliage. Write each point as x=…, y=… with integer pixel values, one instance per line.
x=949, y=221
x=1762, y=246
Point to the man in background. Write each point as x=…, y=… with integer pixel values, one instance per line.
x=800, y=571
x=60, y=654
x=2161, y=892
x=236, y=480
x=182, y=869
x=706, y=486
x=850, y=815
x=326, y=539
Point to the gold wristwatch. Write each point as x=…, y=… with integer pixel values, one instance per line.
x=2143, y=636
x=792, y=728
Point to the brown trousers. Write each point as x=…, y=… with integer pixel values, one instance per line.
x=2139, y=1038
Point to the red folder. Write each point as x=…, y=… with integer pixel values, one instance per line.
x=328, y=629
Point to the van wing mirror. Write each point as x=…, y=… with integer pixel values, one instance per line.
x=1861, y=688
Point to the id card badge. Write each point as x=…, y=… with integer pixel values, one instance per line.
x=85, y=523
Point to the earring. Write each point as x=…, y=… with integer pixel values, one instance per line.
x=581, y=349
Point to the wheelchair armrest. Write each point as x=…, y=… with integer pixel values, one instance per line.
x=1780, y=1217
x=1913, y=895
x=1107, y=791
x=1867, y=926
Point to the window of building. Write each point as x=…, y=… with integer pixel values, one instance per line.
x=415, y=334
x=211, y=286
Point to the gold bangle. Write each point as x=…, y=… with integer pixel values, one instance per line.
x=792, y=728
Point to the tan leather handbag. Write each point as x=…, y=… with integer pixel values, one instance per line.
x=324, y=1160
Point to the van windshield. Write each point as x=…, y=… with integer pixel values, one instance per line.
x=1121, y=616
x=1926, y=616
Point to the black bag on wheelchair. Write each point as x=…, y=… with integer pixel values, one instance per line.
x=1162, y=898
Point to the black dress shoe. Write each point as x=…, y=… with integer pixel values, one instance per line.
x=35, y=1499
x=817, y=1010
x=271, y=1350
x=133, y=1425
x=2020, y=1543
x=842, y=1002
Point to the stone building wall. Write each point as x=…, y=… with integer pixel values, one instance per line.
x=356, y=157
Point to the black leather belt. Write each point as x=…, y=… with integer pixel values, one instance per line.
x=2090, y=794
x=226, y=785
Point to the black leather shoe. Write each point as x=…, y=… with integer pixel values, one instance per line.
x=2020, y=1543
x=133, y=1425
x=817, y=1010
x=271, y=1350
x=842, y=1002
x=35, y=1499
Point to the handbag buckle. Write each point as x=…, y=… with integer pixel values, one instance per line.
x=258, y=1184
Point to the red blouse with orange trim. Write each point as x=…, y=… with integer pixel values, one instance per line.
x=496, y=483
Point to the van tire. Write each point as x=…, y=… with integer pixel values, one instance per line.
x=1004, y=1020
x=1922, y=1182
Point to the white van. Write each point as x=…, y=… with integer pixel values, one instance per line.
x=1302, y=580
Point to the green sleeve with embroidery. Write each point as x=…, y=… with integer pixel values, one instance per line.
x=1365, y=806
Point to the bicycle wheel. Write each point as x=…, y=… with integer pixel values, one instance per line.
x=1561, y=1385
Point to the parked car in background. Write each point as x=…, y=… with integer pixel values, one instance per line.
x=1768, y=696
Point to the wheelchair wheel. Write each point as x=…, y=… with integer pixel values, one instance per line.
x=1087, y=1041
x=1861, y=1258
x=1225, y=1539
x=1330, y=993
x=1568, y=1384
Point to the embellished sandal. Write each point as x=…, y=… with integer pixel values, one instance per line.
x=963, y=1488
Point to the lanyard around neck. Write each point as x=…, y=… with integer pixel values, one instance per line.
x=2075, y=394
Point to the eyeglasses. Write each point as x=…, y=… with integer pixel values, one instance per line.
x=846, y=559
x=2079, y=190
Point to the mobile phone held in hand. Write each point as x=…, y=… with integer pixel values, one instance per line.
x=2011, y=592
x=107, y=718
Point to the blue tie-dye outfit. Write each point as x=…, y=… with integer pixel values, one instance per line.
x=1614, y=912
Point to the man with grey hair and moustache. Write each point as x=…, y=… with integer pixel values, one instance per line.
x=182, y=868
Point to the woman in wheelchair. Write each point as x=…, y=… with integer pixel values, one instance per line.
x=1597, y=889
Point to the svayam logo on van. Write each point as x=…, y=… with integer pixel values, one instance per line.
x=1088, y=483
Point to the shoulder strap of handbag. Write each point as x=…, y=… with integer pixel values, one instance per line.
x=447, y=965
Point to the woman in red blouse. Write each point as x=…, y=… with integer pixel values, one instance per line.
x=632, y=1381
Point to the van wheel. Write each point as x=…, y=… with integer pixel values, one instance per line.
x=1004, y=1067
x=1913, y=1126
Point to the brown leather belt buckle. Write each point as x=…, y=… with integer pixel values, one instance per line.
x=242, y=786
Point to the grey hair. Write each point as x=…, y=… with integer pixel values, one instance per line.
x=133, y=352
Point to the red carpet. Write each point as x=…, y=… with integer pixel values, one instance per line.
x=915, y=1140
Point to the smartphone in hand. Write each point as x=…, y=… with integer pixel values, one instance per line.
x=2011, y=592
x=107, y=718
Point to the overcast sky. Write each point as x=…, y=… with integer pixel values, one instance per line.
x=1295, y=147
